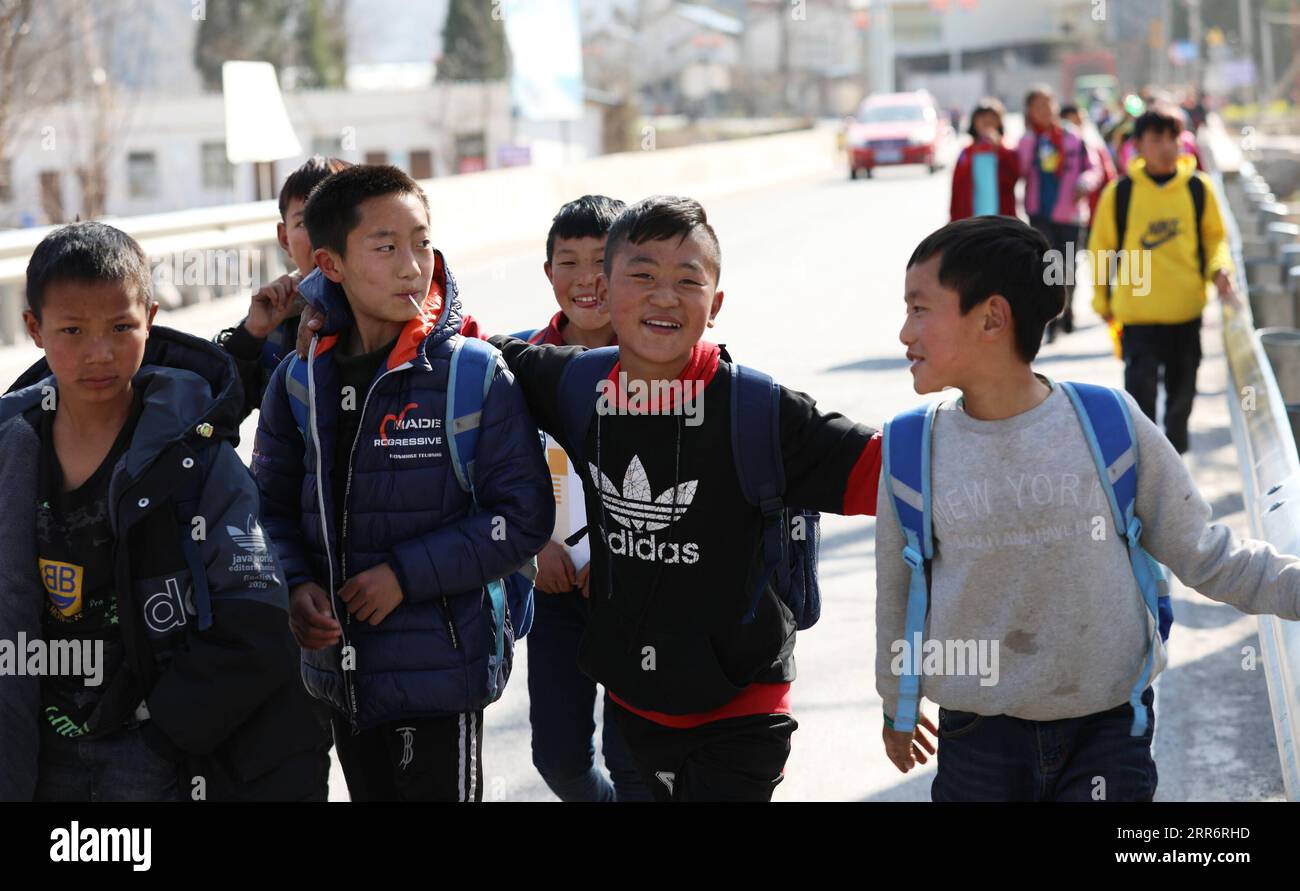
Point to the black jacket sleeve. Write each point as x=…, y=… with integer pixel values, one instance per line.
x=246, y=350
x=537, y=368
x=832, y=464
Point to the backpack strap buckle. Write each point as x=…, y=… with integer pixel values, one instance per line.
x=912, y=557
x=1134, y=532
x=771, y=506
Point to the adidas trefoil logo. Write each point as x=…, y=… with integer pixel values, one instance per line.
x=249, y=538
x=636, y=510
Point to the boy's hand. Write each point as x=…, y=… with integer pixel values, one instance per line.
x=908, y=748
x=373, y=594
x=555, y=573
x=273, y=304
x=1227, y=290
x=311, y=321
x=311, y=619
x=584, y=579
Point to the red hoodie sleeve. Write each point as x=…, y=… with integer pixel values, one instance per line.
x=860, y=493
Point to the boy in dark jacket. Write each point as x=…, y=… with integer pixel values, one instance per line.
x=131, y=535
x=266, y=335
x=386, y=555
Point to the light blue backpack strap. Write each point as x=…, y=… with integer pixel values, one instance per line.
x=473, y=364
x=906, y=473
x=1108, y=428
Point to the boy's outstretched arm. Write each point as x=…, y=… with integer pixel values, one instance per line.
x=1248, y=574
x=832, y=464
x=224, y=672
x=537, y=370
x=516, y=507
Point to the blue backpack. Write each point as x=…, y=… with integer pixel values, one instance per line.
x=473, y=363
x=1108, y=429
x=790, y=537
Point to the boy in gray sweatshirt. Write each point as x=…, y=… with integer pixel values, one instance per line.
x=1046, y=613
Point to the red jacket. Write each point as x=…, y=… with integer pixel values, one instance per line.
x=963, y=185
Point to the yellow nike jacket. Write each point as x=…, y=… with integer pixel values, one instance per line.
x=1159, y=280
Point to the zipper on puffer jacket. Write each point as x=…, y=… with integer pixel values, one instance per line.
x=349, y=687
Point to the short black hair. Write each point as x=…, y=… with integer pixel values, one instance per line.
x=983, y=256
x=334, y=207
x=987, y=106
x=87, y=252
x=1158, y=118
x=1068, y=109
x=300, y=183
x=587, y=217
x=659, y=218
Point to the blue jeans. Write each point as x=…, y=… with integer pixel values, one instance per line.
x=1000, y=758
x=561, y=710
x=117, y=767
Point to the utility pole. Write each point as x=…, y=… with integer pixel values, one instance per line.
x=1247, y=32
x=1194, y=34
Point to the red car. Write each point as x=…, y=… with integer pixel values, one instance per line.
x=896, y=128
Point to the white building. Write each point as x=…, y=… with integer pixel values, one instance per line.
x=169, y=153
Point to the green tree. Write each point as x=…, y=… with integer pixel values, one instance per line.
x=306, y=34
x=474, y=42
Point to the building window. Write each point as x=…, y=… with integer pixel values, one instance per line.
x=6, y=189
x=142, y=174
x=421, y=164
x=218, y=173
x=376, y=157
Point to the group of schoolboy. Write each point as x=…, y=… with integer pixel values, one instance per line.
x=420, y=497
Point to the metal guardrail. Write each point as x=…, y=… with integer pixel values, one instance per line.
x=1270, y=471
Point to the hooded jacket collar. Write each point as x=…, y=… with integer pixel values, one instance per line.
x=185, y=381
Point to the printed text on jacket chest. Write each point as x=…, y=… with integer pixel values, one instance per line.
x=410, y=433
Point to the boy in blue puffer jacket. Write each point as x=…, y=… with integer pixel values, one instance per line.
x=361, y=498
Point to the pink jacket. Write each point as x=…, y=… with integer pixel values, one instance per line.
x=1077, y=173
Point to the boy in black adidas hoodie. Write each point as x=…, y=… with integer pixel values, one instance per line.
x=701, y=697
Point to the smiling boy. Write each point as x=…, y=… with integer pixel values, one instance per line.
x=1025, y=551
x=693, y=643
